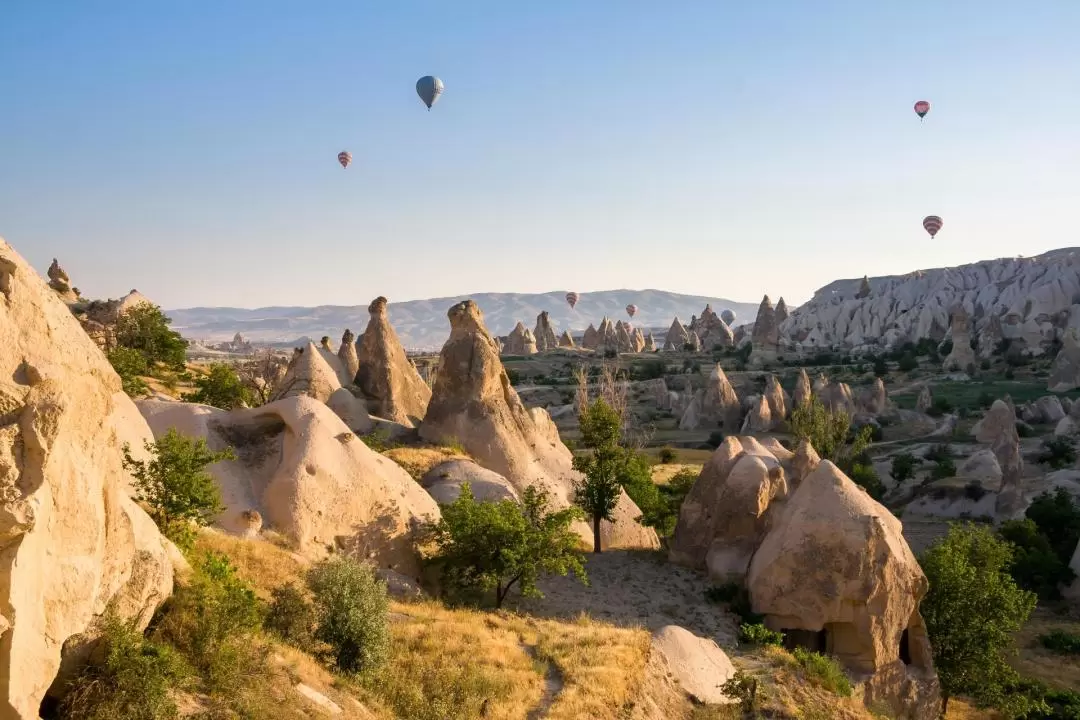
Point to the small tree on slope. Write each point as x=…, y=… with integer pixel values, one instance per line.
x=603, y=467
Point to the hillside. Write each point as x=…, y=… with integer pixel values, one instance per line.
x=421, y=324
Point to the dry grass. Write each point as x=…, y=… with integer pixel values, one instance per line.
x=262, y=564
x=1038, y=663
x=960, y=710
x=788, y=694
x=418, y=460
x=662, y=474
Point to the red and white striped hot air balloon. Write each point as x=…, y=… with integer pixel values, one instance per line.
x=932, y=223
x=921, y=108
x=344, y=157
x=571, y=299
x=631, y=310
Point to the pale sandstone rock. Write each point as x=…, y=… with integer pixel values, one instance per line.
x=565, y=340
x=712, y=331
x=759, y=419
x=778, y=399
x=308, y=375
x=998, y=428
x=650, y=343
x=352, y=410
x=875, y=401
x=544, y=335
x=698, y=664
x=981, y=466
x=1048, y=409
x=591, y=339
x=677, y=336
x=347, y=355
x=766, y=335
x=443, y=482
x=335, y=362
x=73, y=540
x=390, y=382
x=803, y=392
x=519, y=342
x=925, y=401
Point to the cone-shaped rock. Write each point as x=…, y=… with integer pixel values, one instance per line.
x=566, y=340
x=802, y=389
x=390, y=382
x=308, y=374
x=591, y=339
x=544, y=335
x=347, y=354
x=677, y=336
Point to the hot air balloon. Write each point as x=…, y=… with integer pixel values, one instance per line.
x=728, y=316
x=344, y=157
x=631, y=310
x=429, y=88
x=571, y=299
x=921, y=108
x=932, y=223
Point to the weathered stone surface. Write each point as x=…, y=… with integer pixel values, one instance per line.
x=981, y=466
x=759, y=419
x=925, y=401
x=698, y=664
x=962, y=356
x=308, y=375
x=875, y=400
x=72, y=540
x=998, y=428
x=544, y=334
x=391, y=384
x=778, y=399
x=352, y=410
x=591, y=339
x=519, y=342
x=443, y=482
x=803, y=391
x=766, y=335
x=712, y=331
x=677, y=336
x=566, y=340
x=1048, y=409
x=474, y=404
x=347, y=355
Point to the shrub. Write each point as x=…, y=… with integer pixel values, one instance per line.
x=290, y=616
x=865, y=476
x=1058, y=518
x=881, y=367
x=1058, y=452
x=738, y=601
x=938, y=452
x=1061, y=642
x=175, y=484
x=666, y=455
x=758, y=634
x=907, y=363
x=130, y=365
x=829, y=432
x=221, y=388
x=974, y=491
x=943, y=468
x=133, y=680
x=1024, y=430
x=379, y=440
x=146, y=329
x=351, y=613
x=940, y=407
x=903, y=466
x=716, y=439
x=824, y=671
x=1035, y=566
x=513, y=376
x=742, y=687
x=725, y=593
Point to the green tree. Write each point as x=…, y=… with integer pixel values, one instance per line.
x=903, y=466
x=130, y=365
x=221, y=388
x=829, y=431
x=971, y=612
x=494, y=546
x=175, y=485
x=1058, y=518
x=1035, y=566
x=351, y=613
x=604, y=467
x=146, y=329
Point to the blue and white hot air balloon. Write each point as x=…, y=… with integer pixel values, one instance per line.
x=429, y=88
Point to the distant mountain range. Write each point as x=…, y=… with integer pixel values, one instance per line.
x=422, y=324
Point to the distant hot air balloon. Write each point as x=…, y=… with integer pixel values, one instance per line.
x=344, y=157
x=631, y=310
x=571, y=299
x=932, y=223
x=728, y=316
x=921, y=108
x=429, y=88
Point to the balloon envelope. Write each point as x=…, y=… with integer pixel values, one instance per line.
x=344, y=158
x=631, y=310
x=429, y=88
x=728, y=316
x=921, y=108
x=571, y=299
x=932, y=223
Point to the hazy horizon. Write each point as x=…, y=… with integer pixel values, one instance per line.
x=190, y=151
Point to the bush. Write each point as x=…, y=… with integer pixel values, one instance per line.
x=943, y=468
x=738, y=601
x=351, y=613
x=867, y=478
x=291, y=617
x=666, y=456
x=1058, y=452
x=758, y=634
x=1061, y=642
x=1035, y=566
x=742, y=687
x=716, y=439
x=130, y=365
x=974, y=491
x=133, y=680
x=940, y=407
x=379, y=440
x=829, y=432
x=146, y=329
x=903, y=466
x=1058, y=518
x=907, y=363
x=824, y=671
x=174, y=484
x=881, y=368
x=221, y=388
x=938, y=452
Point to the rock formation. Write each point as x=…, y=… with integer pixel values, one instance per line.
x=623, y=342
x=713, y=331
x=998, y=428
x=719, y=401
x=803, y=392
x=61, y=284
x=591, y=339
x=837, y=396
x=766, y=335
x=875, y=400
x=759, y=419
x=962, y=356
x=781, y=312
x=347, y=355
x=519, y=342
x=566, y=340
x=544, y=334
x=925, y=401
x=309, y=374
x=390, y=382
x=697, y=664
x=443, y=482
x=638, y=339
x=778, y=399
x=864, y=289
x=1065, y=372
x=989, y=337
x=677, y=336
x=475, y=405
x=72, y=540
x=650, y=343
x=308, y=476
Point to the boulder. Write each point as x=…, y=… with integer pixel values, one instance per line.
x=352, y=410
x=309, y=477
x=983, y=467
x=61, y=284
x=475, y=405
x=544, y=335
x=697, y=664
x=1048, y=410
x=962, y=356
x=391, y=384
x=72, y=539
x=308, y=375
x=348, y=357
x=443, y=482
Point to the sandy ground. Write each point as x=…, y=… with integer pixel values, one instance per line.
x=636, y=588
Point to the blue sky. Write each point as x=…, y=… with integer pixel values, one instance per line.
x=729, y=149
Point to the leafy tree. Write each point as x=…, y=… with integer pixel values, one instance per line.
x=829, y=432
x=146, y=329
x=881, y=367
x=351, y=613
x=221, y=388
x=907, y=363
x=175, y=485
x=865, y=476
x=1058, y=518
x=659, y=504
x=1058, y=452
x=604, y=467
x=971, y=612
x=1035, y=566
x=494, y=546
x=130, y=365
x=903, y=466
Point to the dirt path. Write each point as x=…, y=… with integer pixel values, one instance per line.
x=553, y=685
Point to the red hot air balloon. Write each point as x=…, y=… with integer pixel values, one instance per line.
x=921, y=108
x=344, y=157
x=571, y=299
x=631, y=310
x=932, y=223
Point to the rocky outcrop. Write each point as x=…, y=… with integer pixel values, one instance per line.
x=348, y=357
x=391, y=384
x=608, y=337
x=623, y=342
x=864, y=289
x=61, y=284
x=759, y=419
x=715, y=404
x=989, y=337
x=781, y=312
x=766, y=335
x=1065, y=372
x=835, y=573
x=544, y=335
x=309, y=478
x=712, y=331
x=591, y=339
x=566, y=340
x=778, y=399
x=650, y=343
x=444, y=482
x=803, y=392
x=638, y=339
x=73, y=542
x=697, y=664
x=677, y=336
x=998, y=429
x=962, y=356
x=475, y=405
x=837, y=397
x=519, y=342
x=925, y=401
x=875, y=400
x=308, y=375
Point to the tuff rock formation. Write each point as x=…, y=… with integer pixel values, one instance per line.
x=719, y=403
x=864, y=289
x=713, y=331
x=875, y=400
x=638, y=338
x=623, y=342
x=962, y=356
x=766, y=335
x=998, y=428
x=1065, y=372
x=803, y=392
x=566, y=340
x=61, y=284
x=309, y=375
x=73, y=542
x=778, y=399
x=519, y=342
x=781, y=312
x=347, y=355
x=650, y=343
x=475, y=405
x=607, y=337
x=591, y=339
x=925, y=401
x=759, y=419
x=390, y=382
x=677, y=336
x=444, y=481
x=308, y=477
x=544, y=334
